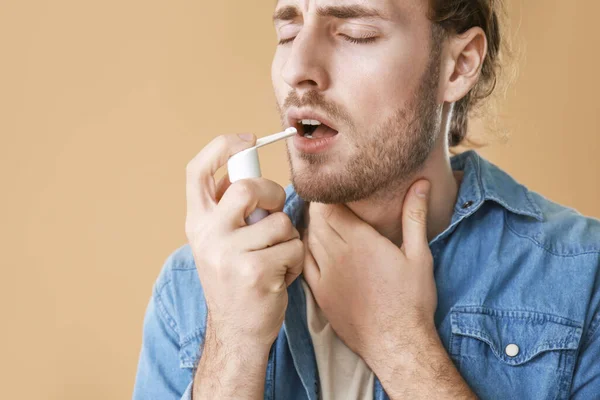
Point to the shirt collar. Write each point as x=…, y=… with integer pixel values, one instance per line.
x=483, y=181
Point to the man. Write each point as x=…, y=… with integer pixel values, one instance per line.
x=388, y=269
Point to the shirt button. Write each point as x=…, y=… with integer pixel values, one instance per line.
x=512, y=350
x=467, y=204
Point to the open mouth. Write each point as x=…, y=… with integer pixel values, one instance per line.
x=313, y=129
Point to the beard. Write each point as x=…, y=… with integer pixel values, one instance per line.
x=385, y=159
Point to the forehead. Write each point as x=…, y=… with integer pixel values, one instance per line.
x=390, y=7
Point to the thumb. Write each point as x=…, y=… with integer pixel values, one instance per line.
x=414, y=220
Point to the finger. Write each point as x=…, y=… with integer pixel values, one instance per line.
x=311, y=271
x=222, y=186
x=293, y=272
x=342, y=220
x=288, y=259
x=414, y=220
x=244, y=196
x=320, y=214
x=270, y=231
x=315, y=239
x=321, y=232
x=200, y=171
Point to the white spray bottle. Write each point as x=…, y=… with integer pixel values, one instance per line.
x=245, y=164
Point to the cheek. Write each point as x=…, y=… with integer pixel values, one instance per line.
x=375, y=87
x=277, y=80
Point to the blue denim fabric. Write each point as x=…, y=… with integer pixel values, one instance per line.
x=512, y=268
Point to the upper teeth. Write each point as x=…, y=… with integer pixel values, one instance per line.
x=309, y=122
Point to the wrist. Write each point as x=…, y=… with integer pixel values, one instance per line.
x=235, y=350
x=403, y=347
x=419, y=356
x=230, y=371
x=220, y=339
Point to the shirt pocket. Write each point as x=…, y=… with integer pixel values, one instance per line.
x=506, y=354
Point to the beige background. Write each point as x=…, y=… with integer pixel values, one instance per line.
x=102, y=104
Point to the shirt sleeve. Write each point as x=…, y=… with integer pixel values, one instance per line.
x=159, y=375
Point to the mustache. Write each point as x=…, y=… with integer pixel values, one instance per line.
x=316, y=100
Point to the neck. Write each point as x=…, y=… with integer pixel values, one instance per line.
x=383, y=211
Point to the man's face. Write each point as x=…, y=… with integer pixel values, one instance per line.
x=379, y=95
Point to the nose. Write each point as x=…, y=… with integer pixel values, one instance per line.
x=306, y=66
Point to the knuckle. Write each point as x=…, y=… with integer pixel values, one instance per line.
x=252, y=272
x=243, y=190
x=295, y=233
x=282, y=194
x=277, y=287
x=284, y=223
x=298, y=248
x=274, y=190
x=221, y=141
x=418, y=215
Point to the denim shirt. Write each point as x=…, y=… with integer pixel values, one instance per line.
x=518, y=311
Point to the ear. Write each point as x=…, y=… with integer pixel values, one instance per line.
x=464, y=60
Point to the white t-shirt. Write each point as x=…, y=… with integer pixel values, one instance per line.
x=343, y=374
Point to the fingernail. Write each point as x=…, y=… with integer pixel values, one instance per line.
x=422, y=189
x=248, y=137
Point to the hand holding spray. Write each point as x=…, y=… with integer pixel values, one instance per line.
x=245, y=164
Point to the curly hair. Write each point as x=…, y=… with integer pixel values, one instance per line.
x=456, y=17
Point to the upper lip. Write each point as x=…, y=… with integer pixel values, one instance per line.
x=294, y=115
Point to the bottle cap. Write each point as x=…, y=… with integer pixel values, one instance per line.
x=245, y=164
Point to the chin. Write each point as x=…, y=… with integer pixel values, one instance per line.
x=325, y=178
x=327, y=188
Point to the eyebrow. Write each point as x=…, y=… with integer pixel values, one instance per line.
x=342, y=12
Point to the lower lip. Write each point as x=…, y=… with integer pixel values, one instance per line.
x=313, y=146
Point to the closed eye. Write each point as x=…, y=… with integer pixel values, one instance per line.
x=284, y=41
x=363, y=40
